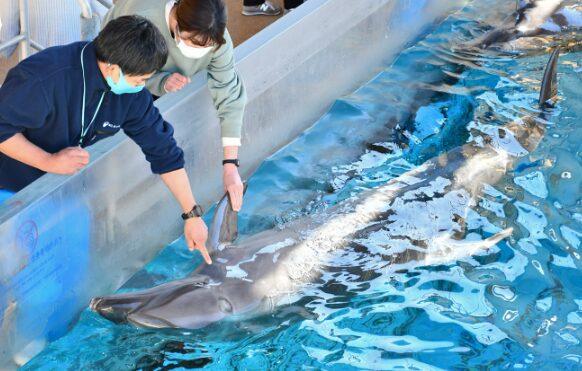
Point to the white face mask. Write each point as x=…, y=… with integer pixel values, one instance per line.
x=190, y=51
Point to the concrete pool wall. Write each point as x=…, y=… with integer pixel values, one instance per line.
x=64, y=240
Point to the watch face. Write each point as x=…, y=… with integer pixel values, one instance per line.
x=197, y=211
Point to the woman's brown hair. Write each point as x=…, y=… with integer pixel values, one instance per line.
x=205, y=19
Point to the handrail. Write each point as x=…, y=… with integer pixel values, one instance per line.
x=86, y=11
x=23, y=38
x=106, y=3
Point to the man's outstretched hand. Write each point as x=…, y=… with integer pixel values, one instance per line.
x=196, y=234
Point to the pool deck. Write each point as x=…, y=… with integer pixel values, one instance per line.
x=242, y=27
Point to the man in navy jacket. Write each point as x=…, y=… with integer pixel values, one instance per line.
x=62, y=99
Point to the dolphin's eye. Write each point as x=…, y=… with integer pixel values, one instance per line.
x=224, y=305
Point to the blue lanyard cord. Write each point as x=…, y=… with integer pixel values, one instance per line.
x=84, y=129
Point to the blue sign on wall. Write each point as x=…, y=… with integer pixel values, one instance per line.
x=43, y=263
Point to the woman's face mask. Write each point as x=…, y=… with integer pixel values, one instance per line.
x=190, y=51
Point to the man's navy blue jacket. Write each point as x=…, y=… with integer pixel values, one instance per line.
x=42, y=99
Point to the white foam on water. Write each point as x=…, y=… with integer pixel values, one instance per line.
x=538, y=266
x=563, y=261
x=506, y=142
x=532, y=219
x=495, y=207
x=491, y=191
x=544, y=304
x=575, y=318
x=506, y=293
x=510, y=315
x=573, y=17
x=512, y=269
x=534, y=183
x=529, y=245
x=536, y=16
x=573, y=237
x=569, y=338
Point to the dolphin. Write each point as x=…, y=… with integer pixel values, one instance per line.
x=253, y=275
x=534, y=18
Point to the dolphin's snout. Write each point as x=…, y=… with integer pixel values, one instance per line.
x=93, y=305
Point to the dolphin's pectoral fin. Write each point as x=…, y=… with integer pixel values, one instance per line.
x=224, y=227
x=145, y=320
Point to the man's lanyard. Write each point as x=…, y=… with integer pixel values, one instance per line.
x=84, y=129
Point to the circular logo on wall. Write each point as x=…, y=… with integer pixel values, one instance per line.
x=27, y=236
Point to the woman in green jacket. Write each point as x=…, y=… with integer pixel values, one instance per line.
x=197, y=39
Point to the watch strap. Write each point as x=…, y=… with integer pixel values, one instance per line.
x=195, y=212
x=235, y=161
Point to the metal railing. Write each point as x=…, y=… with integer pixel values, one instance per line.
x=107, y=3
x=23, y=38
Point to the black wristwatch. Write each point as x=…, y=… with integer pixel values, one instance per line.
x=195, y=212
x=235, y=161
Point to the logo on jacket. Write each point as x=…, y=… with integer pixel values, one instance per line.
x=107, y=124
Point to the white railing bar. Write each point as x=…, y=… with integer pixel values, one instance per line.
x=24, y=37
x=14, y=40
x=86, y=11
x=24, y=44
x=36, y=45
x=106, y=3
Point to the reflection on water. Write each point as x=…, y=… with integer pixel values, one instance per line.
x=413, y=292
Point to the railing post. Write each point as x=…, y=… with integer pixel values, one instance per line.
x=25, y=43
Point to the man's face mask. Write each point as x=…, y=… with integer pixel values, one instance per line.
x=122, y=86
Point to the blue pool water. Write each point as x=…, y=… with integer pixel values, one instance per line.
x=515, y=305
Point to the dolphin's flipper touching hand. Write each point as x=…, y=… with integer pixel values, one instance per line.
x=224, y=227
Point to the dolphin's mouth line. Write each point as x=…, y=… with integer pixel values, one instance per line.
x=93, y=304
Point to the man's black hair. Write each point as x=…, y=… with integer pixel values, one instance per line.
x=133, y=43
